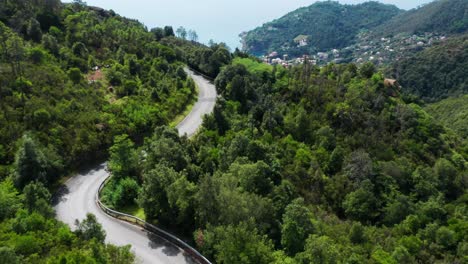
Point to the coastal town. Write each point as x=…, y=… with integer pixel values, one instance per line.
x=367, y=48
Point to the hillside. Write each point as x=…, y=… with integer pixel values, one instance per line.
x=440, y=16
x=437, y=72
x=73, y=77
x=452, y=112
x=322, y=26
x=307, y=165
x=89, y=76
x=295, y=165
x=370, y=32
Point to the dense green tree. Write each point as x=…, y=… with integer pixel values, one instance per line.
x=120, y=255
x=397, y=209
x=166, y=147
x=37, y=199
x=14, y=53
x=236, y=244
x=75, y=75
x=9, y=200
x=367, y=70
x=37, y=55
x=125, y=192
x=320, y=249
x=153, y=196
x=446, y=237
x=34, y=31
x=449, y=178
x=357, y=233
x=358, y=167
x=168, y=31
x=401, y=255
x=30, y=163
x=89, y=229
x=206, y=204
x=8, y=256
x=180, y=196
x=158, y=33
x=362, y=204
x=123, y=158
x=296, y=227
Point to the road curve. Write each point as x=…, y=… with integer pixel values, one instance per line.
x=206, y=102
x=77, y=197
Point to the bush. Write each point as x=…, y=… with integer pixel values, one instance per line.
x=125, y=193
x=37, y=55
x=75, y=75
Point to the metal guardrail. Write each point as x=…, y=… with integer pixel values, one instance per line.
x=149, y=227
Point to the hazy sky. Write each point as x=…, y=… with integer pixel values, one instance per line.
x=220, y=20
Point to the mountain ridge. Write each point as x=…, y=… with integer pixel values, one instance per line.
x=349, y=18
x=329, y=25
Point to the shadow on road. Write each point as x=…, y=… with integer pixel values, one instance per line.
x=189, y=259
x=62, y=190
x=167, y=248
x=59, y=195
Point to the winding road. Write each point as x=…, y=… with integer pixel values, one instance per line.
x=77, y=197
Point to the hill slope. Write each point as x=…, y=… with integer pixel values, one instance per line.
x=436, y=72
x=310, y=165
x=326, y=25
x=441, y=16
x=59, y=110
x=453, y=113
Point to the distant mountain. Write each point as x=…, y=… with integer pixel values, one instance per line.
x=441, y=16
x=319, y=27
x=358, y=32
x=437, y=72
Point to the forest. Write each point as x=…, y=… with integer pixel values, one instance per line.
x=452, y=112
x=440, y=16
x=304, y=165
x=435, y=73
x=72, y=78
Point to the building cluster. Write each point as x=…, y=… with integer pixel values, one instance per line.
x=388, y=49
x=366, y=49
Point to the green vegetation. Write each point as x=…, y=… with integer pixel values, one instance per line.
x=453, y=113
x=327, y=25
x=142, y=85
x=30, y=234
x=437, y=72
x=295, y=165
x=307, y=165
x=382, y=34
x=73, y=78
x=439, y=16
x=206, y=60
x=180, y=117
x=252, y=65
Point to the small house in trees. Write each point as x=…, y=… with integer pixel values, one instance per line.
x=393, y=87
x=301, y=40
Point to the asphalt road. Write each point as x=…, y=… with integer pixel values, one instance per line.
x=77, y=197
x=206, y=102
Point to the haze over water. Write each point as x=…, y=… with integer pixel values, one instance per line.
x=220, y=20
